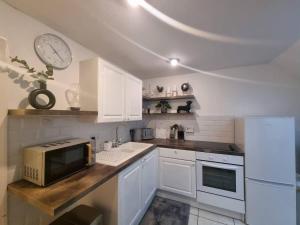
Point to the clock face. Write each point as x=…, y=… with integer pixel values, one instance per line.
x=53, y=50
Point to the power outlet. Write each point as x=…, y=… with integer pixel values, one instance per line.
x=189, y=130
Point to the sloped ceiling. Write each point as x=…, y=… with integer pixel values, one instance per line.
x=132, y=37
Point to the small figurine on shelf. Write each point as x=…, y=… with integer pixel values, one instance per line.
x=186, y=89
x=168, y=92
x=186, y=108
x=174, y=91
x=72, y=97
x=160, y=88
x=164, y=106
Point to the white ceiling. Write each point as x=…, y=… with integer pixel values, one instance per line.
x=120, y=34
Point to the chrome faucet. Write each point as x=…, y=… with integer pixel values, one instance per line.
x=117, y=142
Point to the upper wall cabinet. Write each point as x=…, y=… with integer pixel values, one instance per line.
x=116, y=95
x=134, y=100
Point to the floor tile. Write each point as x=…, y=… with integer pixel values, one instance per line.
x=194, y=211
x=238, y=222
x=216, y=217
x=193, y=220
x=166, y=211
x=203, y=221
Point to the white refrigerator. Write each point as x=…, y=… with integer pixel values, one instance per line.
x=269, y=145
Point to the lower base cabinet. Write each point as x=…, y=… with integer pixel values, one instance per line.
x=130, y=195
x=149, y=177
x=178, y=176
x=177, y=171
x=137, y=187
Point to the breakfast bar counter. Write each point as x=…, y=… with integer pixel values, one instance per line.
x=59, y=196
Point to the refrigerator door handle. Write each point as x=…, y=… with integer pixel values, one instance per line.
x=271, y=182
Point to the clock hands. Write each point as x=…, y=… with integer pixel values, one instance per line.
x=56, y=53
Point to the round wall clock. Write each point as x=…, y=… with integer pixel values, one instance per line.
x=53, y=50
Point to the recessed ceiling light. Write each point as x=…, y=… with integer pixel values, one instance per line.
x=134, y=3
x=174, y=62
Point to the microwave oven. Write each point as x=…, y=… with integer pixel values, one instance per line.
x=48, y=163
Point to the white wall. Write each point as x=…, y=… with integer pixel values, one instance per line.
x=3, y=135
x=267, y=90
x=289, y=59
x=20, y=31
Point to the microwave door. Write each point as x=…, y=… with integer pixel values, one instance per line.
x=63, y=162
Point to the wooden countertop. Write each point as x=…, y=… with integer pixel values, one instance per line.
x=199, y=146
x=57, y=197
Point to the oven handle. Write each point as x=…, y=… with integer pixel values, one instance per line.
x=218, y=165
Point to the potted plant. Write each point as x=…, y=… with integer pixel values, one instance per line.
x=41, y=77
x=164, y=106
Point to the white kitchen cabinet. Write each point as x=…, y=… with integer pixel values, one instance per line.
x=178, y=176
x=111, y=94
x=149, y=177
x=134, y=102
x=137, y=187
x=115, y=94
x=130, y=196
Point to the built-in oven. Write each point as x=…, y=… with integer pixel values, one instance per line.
x=221, y=175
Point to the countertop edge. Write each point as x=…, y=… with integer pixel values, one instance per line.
x=52, y=211
x=162, y=143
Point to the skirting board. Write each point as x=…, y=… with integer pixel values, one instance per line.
x=196, y=204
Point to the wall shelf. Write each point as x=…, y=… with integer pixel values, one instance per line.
x=169, y=98
x=41, y=112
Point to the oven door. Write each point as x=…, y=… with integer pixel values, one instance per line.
x=63, y=162
x=221, y=179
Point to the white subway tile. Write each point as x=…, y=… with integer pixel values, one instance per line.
x=14, y=124
x=50, y=133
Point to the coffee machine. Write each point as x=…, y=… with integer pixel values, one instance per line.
x=177, y=132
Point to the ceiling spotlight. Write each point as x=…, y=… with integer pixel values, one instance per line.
x=174, y=62
x=134, y=3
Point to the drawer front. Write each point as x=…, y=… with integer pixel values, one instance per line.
x=221, y=202
x=221, y=158
x=177, y=154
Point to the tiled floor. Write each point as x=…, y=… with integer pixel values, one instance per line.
x=201, y=217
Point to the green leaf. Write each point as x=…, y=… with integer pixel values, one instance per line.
x=41, y=75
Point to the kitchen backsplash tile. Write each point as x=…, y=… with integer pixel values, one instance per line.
x=206, y=128
x=26, y=131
